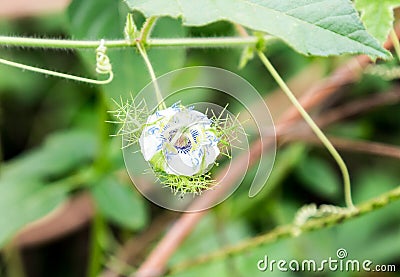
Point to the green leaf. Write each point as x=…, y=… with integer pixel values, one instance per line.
x=312, y=27
x=60, y=153
x=25, y=195
x=97, y=19
x=377, y=16
x=24, y=202
x=319, y=176
x=120, y=203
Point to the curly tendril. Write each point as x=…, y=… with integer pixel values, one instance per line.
x=103, y=66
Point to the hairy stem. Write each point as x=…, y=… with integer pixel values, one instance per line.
x=122, y=43
x=313, y=126
x=292, y=231
x=147, y=28
x=146, y=59
x=57, y=43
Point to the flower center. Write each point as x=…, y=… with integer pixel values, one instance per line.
x=182, y=141
x=183, y=144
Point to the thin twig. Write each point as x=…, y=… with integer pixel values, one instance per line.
x=203, y=42
x=71, y=216
x=376, y=148
x=360, y=105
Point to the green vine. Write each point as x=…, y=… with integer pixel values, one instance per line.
x=146, y=59
x=313, y=126
x=292, y=230
x=203, y=42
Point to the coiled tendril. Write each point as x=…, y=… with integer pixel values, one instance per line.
x=103, y=66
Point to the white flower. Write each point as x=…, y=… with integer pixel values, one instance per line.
x=179, y=141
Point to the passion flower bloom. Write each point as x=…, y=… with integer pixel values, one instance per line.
x=180, y=141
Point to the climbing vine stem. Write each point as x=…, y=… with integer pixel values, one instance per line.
x=146, y=59
x=396, y=44
x=10, y=41
x=313, y=126
x=140, y=44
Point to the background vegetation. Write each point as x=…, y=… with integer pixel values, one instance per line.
x=58, y=157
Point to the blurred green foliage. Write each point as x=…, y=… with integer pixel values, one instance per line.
x=55, y=144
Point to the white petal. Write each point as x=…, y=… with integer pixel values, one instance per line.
x=178, y=165
x=211, y=154
x=167, y=113
x=149, y=145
